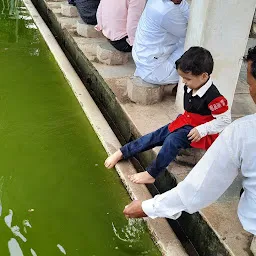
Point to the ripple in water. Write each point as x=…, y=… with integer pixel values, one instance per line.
x=33, y=252
x=131, y=232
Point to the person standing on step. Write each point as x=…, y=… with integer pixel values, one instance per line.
x=206, y=114
x=159, y=40
x=118, y=20
x=233, y=152
x=87, y=10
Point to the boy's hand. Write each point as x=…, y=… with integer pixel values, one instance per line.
x=134, y=210
x=194, y=135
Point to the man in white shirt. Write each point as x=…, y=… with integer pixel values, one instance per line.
x=159, y=40
x=234, y=150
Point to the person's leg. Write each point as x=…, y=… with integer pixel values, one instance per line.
x=122, y=45
x=166, y=72
x=143, y=143
x=87, y=10
x=73, y=2
x=171, y=146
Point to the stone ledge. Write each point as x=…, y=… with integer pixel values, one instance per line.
x=107, y=54
x=142, y=92
x=88, y=45
x=69, y=10
x=86, y=30
x=253, y=246
x=66, y=22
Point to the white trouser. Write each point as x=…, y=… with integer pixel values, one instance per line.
x=166, y=72
x=171, y=75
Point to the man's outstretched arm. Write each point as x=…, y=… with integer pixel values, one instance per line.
x=206, y=182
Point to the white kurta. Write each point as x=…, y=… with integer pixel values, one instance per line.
x=159, y=40
x=234, y=150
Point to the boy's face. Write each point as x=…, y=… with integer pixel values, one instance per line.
x=251, y=81
x=193, y=82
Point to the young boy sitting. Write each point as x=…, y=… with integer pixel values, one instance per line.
x=206, y=115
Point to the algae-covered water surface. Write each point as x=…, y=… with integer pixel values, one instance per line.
x=56, y=198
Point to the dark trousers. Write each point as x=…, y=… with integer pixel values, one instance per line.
x=72, y=2
x=87, y=10
x=122, y=45
x=171, y=143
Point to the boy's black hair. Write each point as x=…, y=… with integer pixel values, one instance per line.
x=251, y=56
x=196, y=60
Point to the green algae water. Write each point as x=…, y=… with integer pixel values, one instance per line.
x=56, y=198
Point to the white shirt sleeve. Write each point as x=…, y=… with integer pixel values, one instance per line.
x=184, y=8
x=206, y=182
x=215, y=126
x=159, y=206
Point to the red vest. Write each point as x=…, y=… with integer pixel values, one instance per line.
x=200, y=110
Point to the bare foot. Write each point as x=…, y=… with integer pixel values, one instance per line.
x=112, y=160
x=142, y=178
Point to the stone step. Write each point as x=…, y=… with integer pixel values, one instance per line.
x=107, y=54
x=86, y=30
x=69, y=10
x=142, y=92
x=89, y=45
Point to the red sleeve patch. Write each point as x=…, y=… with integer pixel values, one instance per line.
x=218, y=105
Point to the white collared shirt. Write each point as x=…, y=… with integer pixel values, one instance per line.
x=219, y=123
x=201, y=91
x=233, y=150
x=161, y=30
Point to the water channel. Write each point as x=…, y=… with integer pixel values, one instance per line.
x=56, y=198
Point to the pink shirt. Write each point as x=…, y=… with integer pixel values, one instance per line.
x=119, y=18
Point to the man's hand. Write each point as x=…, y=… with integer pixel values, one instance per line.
x=194, y=135
x=134, y=210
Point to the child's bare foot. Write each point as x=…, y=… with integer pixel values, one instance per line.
x=142, y=178
x=112, y=160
